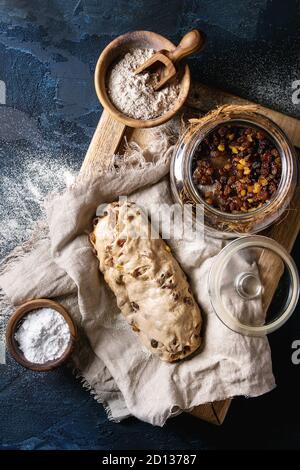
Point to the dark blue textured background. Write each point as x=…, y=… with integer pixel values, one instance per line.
x=48, y=50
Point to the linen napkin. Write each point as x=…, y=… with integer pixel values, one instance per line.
x=109, y=359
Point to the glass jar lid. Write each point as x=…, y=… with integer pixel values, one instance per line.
x=253, y=285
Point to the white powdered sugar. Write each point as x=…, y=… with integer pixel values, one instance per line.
x=43, y=336
x=134, y=95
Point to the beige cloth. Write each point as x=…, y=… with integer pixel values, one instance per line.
x=112, y=363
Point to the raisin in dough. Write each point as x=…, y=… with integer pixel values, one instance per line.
x=151, y=289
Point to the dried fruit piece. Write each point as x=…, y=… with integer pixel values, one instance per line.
x=256, y=188
x=233, y=149
x=135, y=307
x=263, y=181
x=119, y=280
x=139, y=271
x=135, y=328
x=121, y=242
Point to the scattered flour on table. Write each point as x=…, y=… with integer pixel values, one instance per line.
x=23, y=188
x=43, y=336
x=134, y=95
x=22, y=194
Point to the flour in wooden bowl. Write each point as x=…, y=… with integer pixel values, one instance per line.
x=134, y=95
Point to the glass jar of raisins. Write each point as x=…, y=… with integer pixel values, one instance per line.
x=239, y=166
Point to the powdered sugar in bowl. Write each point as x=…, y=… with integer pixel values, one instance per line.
x=41, y=335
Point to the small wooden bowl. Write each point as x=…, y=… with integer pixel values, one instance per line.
x=14, y=323
x=118, y=48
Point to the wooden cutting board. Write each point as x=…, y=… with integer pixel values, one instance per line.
x=109, y=139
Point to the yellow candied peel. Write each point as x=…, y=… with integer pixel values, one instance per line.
x=233, y=149
x=263, y=181
x=256, y=188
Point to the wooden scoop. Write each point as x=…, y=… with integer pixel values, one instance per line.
x=166, y=61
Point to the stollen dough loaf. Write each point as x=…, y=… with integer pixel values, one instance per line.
x=151, y=289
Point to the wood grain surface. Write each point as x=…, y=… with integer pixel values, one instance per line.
x=109, y=139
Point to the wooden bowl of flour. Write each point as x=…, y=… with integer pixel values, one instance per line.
x=16, y=320
x=114, y=52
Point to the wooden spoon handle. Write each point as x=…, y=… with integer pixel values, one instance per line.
x=190, y=43
x=104, y=144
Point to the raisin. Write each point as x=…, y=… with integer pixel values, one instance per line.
x=188, y=300
x=264, y=195
x=121, y=242
x=231, y=180
x=275, y=152
x=209, y=171
x=134, y=306
x=227, y=190
x=135, y=327
x=272, y=187
x=119, y=280
x=222, y=131
x=260, y=135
